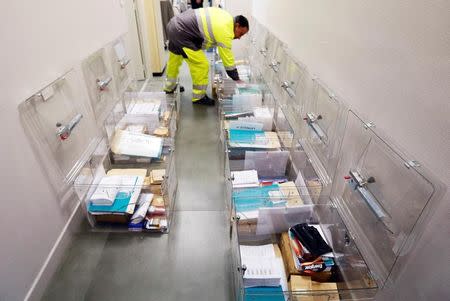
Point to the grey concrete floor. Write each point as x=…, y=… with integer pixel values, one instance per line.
x=192, y=262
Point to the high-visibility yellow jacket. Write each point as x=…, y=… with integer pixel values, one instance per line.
x=201, y=29
x=217, y=28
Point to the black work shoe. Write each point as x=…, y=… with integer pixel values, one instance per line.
x=173, y=91
x=205, y=101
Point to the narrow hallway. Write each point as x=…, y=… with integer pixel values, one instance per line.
x=192, y=262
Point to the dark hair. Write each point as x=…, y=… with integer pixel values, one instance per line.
x=242, y=21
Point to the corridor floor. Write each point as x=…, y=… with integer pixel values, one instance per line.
x=192, y=262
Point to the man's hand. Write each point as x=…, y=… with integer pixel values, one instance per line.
x=241, y=82
x=198, y=1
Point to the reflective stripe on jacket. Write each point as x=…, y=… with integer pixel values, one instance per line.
x=217, y=28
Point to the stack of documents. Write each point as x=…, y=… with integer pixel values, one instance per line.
x=143, y=205
x=157, y=176
x=253, y=139
x=106, y=191
x=264, y=268
x=245, y=123
x=245, y=178
x=128, y=189
x=136, y=144
x=156, y=218
x=248, y=137
x=248, y=201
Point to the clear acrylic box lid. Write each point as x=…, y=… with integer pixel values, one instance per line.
x=290, y=74
x=61, y=128
x=260, y=42
x=324, y=116
x=120, y=64
x=382, y=196
x=100, y=84
x=272, y=44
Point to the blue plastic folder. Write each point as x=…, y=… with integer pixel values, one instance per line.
x=251, y=199
x=119, y=206
x=264, y=293
x=245, y=136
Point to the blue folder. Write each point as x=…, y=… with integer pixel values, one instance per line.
x=264, y=293
x=245, y=136
x=250, y=199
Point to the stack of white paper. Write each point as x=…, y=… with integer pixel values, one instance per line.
x=106, y=191
x=133, y=186
x=245, y=178
x=136, y=144
x=263, y=267
x=144, y=203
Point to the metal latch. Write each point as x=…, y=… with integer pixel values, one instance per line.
x=103, y=83
x=359, y=183
x=287, y=87
x=64, y=131
x=274, y=65
x=311, y=119
x=124, y=62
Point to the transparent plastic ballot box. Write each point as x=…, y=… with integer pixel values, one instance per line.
x=156, y=110
x=321, y=129
x=100, y=83
x=266, y=264
x=61, y=131
x=119, y=60
x=250, y=161
x=372, y=219
x=129, y=193
x=249, y=166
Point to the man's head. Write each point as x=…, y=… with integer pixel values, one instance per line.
x=240, y=26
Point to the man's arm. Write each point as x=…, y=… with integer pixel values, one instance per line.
x=228, y=62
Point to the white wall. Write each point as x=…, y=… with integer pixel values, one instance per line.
x=391, y=61
x=40, y=40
